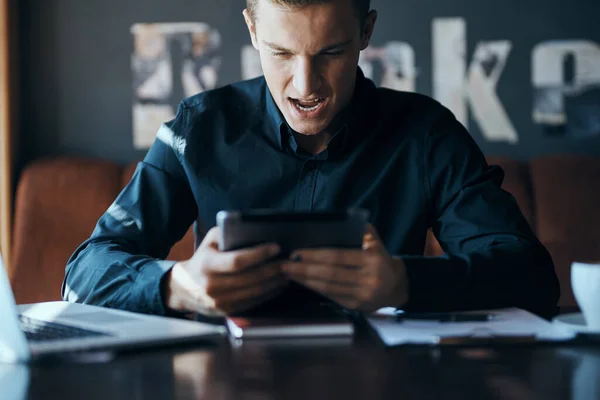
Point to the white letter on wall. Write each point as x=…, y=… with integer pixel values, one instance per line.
x=450, y=65
x=454, y=89
x=548, y=75
x=397, y=60
x=156, y=95
x=251, y=67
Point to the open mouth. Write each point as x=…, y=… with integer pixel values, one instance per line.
x=308, y=105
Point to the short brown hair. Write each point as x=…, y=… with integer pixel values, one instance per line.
x=362, y=7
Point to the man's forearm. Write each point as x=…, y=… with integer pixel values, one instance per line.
x=505, y=275
x=104, y=274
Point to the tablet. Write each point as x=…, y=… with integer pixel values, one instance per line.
x=292, y=230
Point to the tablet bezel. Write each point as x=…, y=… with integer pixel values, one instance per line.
x=292, y=230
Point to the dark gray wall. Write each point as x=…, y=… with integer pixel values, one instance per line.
x=77, y=80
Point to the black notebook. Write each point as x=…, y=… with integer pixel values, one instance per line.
x=290, y=326
x=283, y=318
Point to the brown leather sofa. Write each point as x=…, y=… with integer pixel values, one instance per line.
x=58, y=202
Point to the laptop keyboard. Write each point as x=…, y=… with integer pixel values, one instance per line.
x=39, y=331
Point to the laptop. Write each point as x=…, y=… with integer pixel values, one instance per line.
x=28, y=332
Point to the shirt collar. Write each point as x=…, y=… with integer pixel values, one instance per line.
x=355, y=114
x=274, y=119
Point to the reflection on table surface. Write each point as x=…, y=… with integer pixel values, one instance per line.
x=308, y=369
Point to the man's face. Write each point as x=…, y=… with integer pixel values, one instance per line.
x=309, y=57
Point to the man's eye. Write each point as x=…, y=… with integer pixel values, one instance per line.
x=333, y=53
x=280, y=54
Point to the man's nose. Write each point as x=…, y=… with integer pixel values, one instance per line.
x=306, y=78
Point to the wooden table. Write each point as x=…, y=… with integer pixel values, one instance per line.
x=321, y=369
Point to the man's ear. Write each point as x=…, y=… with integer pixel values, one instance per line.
x=368, y=28
x=251, y=28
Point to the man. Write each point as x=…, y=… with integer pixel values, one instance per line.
x=314, y=134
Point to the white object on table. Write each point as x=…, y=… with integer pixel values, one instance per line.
x=575, y=322
x=507, y=323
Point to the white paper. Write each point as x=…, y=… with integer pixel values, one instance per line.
x=506, y=323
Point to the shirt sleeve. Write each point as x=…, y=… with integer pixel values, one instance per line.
x=122, y=264
x=492, y=258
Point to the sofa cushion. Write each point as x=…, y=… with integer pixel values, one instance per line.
x=58, y=203
x=567, y=199
x=182, y=250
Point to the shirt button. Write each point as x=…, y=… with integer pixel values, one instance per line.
x=310, y=165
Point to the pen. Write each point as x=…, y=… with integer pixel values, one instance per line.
x=485, y=340
x=445, y=317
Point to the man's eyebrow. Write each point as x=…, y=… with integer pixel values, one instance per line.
x=276, y=47
x=334, y=46
x=323, y=50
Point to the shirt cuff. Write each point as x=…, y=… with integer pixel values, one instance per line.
x=150, y=280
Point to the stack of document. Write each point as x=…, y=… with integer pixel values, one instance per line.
x=510, y=325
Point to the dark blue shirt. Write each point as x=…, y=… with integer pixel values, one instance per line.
x=402, y=156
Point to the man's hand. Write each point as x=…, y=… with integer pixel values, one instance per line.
x=222, y=283
x=364, y=280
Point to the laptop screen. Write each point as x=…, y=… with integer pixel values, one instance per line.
x=13, y=344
